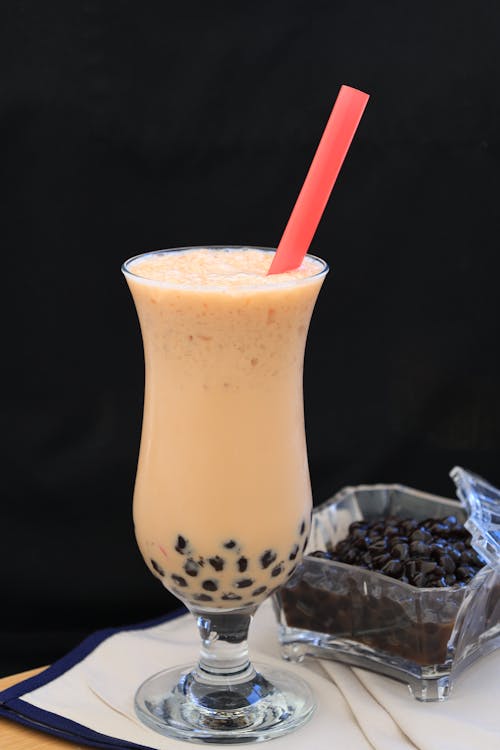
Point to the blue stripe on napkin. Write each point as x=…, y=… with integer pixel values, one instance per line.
x=14, y=708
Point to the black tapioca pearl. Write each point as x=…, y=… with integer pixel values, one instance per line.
x=181, y=545
x=419, y=580
x=421, y=535
x=302, y=528
x=203, y=598
x=437, y=528
x=350, y=556
x=398, y=539
x=268, y=558
x=201, y=562
x=455, y=555
x=428, y=567
x=158, y=568
x=242, y=564
x=231, y=544
x=259, y=591
x=401, y=550
x=366, y=560
x=277, y=570
x=358, y=525
x=419, y=549
x=231, y=597
x=464, y=573
x=446, y=562
x=244, y=583
x=216, y=562
x=179, y=580
x=466, y=557
x=361, y=543
x=210, y=585
x=380, y=560
x=295, y=551
x=393, y=568
x=378, y=546
x=305, y=544
x=409, y=525
x=191, y=567
x=391, y=530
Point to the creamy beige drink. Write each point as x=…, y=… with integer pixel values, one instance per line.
x=222, y=499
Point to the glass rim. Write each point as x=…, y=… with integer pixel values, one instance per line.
x=128, y=272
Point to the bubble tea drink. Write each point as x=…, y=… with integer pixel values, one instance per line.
x=222, y=498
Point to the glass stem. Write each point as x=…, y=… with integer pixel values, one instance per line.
x=224, y=649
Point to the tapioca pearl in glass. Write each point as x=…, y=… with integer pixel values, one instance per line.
x=244, y=583
x=192, y=568
x=267, y=558
x=157, y=568
x=217, y=562
x=210, y=585
x=231, y=597
x=181, y=545
x=242, y=564
x=202, y=597
x=259, y=591
x=179, y=580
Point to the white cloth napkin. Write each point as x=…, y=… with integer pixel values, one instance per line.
x=392, y=720
x=356, y=709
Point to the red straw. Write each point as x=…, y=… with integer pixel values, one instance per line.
x=318, y=185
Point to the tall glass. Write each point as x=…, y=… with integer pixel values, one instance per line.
x=222, y=498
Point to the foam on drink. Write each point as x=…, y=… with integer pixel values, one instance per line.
x=223, y=268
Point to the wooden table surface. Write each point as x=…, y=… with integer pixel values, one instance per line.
x=16, y=737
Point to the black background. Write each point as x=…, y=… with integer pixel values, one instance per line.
x=132, y=126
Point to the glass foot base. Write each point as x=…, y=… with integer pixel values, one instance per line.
x=254, y=709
